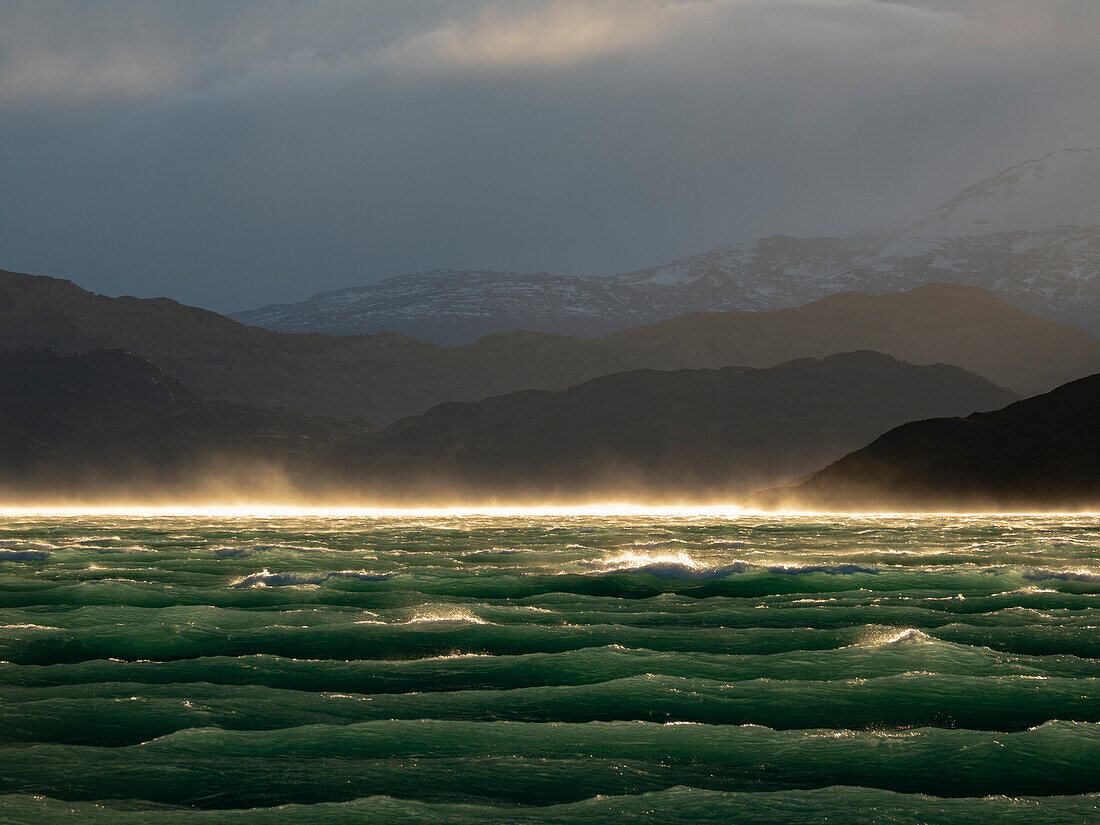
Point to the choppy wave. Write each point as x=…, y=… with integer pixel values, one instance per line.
x=550, y=670
x=265, y=578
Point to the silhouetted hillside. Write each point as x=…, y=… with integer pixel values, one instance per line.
x=683, y=434
x=385, y=377
x=108, y=419
x=1040, y=452
x=89, y=424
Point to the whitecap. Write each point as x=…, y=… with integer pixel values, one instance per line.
x=25, y=544
x=880, y=638
x=26, y=626
x=445, y=616
x=662, y=565
x=265, y=578
x=1082, y=575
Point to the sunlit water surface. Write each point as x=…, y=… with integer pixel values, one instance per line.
x=550, y=668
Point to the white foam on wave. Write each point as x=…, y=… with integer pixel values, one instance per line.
x=445, y=616
x=648, y=561
x=27, y=626
x=880, y=638
x=681, y=565
x=265, y=578
x=1083, y=574
x=373, y=620
x=529, y=608
x=455, y=656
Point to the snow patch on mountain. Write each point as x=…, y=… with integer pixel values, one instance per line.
x=1060, y=189
x=1030, y=234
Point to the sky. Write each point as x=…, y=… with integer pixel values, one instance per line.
x=231, y=153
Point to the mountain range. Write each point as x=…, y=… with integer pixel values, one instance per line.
x=808, y=350
x=107, y=423
x=1030, y=234
x=384, y=377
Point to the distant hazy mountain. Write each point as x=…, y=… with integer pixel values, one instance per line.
x=1030, y=234
x=107, y=421
x=1042, y=452
x=385, y=377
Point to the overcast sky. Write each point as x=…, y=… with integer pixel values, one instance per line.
x=230, y=153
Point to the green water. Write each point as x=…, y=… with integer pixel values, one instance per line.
x=549, y=669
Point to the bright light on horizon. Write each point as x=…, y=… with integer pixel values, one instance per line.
x=601, y=509
x=291, y=511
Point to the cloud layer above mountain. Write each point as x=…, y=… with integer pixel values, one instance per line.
x=232, y=153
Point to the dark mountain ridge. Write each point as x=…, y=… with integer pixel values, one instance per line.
x=1042, y=452
x=108, y=423
x=683, y=435
x=384, y=377
x=111, y=421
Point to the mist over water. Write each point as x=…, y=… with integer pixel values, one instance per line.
x=446, y=667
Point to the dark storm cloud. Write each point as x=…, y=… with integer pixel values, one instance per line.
x=234, y=153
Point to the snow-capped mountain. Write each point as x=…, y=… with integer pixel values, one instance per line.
x=1031, y=234
x=1060, y=189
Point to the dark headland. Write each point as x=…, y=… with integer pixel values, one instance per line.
x=1042, y=452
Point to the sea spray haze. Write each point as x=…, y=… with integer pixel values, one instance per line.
x=549, y=668
x=108, y=426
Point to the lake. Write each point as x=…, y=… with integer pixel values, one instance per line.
x=548, y=667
